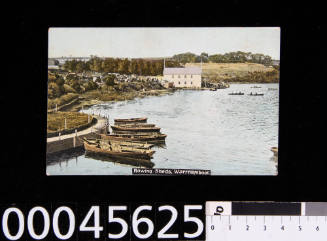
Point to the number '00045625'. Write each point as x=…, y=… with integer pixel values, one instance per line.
x=111, y=222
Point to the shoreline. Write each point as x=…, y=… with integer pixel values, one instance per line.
x=86, y=102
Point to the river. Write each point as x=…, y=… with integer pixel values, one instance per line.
x=211, y=130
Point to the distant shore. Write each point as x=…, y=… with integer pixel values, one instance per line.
x=86, y=101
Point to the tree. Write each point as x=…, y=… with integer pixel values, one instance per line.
x=110, y=80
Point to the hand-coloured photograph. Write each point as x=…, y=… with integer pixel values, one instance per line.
x=197, y=98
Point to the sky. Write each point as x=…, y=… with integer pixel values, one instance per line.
x=162, y=42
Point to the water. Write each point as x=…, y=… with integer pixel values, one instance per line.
x=229, y=135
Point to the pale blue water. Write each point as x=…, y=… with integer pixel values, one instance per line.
x=229, y=135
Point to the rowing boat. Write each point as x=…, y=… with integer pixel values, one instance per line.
x=255, y=94
x=116, y=151
x=157, y=137
x=135, y=129
x=236, y=93
x=135, y=125
x=131, y=120
x=124, y=143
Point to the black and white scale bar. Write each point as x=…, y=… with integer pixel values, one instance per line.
x=266, y=208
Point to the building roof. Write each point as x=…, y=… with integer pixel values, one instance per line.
x=186, y=70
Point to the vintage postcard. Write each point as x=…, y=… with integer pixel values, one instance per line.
x=167, y=101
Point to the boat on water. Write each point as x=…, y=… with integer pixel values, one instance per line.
x=116, y=151
x=135, y=125
x=152, y=138
x=135, y=129
x=213, y=89
x=123, y=143
x=272, y=89
x=255, y=86
x=256, y=94
x=236, y=93
x=274, y=150
x=131, y=120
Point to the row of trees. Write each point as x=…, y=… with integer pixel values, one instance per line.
x=231, y=57
x=58, y=86
x=122, y=66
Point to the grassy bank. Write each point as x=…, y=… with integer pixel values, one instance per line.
x=56, y=121
x=238, y=72
x=64, y=99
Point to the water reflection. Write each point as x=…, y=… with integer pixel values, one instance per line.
x=122, y=160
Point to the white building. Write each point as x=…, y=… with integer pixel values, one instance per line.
x=189, y=77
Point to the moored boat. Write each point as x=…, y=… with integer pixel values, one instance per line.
x=135, y=129
x=153, y=138
x=135, y=125
x=132, y=120
x=116, y=151
x=123, y=143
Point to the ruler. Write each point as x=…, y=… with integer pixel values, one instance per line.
x=266, y=221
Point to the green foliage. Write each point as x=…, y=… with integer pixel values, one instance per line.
x=69, y=89
x=91, y=85
x=60, y=81
x=241, y=57
x=258, y=77
x=110, y=80
x=116, y=65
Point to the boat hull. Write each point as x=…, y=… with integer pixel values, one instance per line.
x=135, y=129
x=131, y=120
x=115, y=154
x=135, y=138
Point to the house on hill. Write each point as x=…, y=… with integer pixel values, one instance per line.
x=188, y=77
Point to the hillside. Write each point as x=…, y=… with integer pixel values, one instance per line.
x=238, y=72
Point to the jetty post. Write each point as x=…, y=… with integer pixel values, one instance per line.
x=65, y=123
x=88, y=118
x=56, y=107
x=74, y=139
